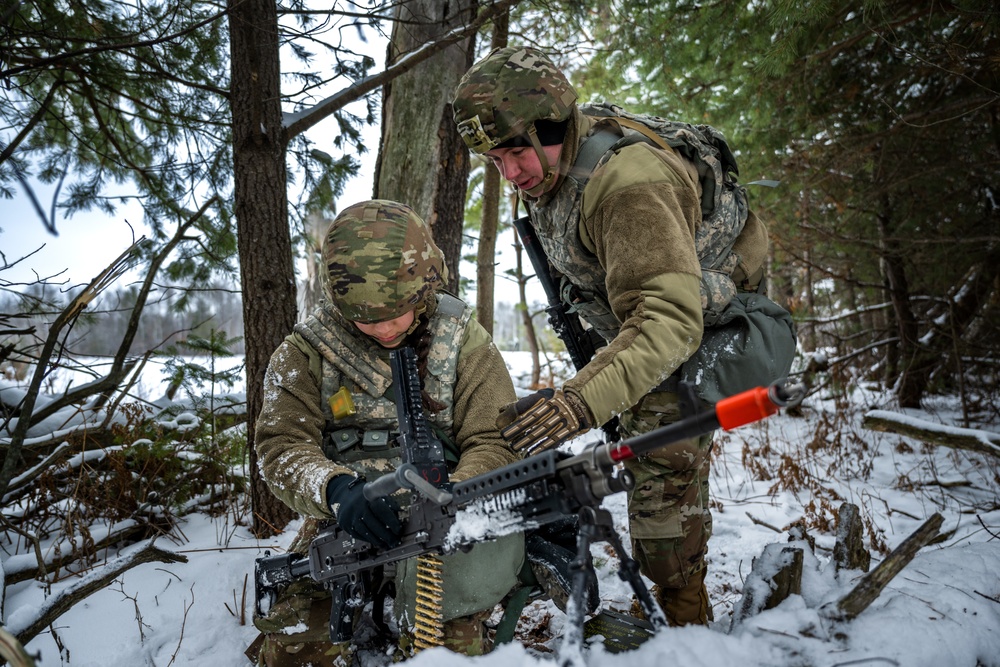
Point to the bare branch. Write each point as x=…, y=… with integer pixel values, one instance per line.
x=59, y=604
x=297, y=123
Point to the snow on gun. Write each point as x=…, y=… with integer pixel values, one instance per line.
x=532, y=492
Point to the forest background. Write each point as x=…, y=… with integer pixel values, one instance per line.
x=879, y=120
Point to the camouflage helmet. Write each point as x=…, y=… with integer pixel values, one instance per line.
x=505, y=93
x=381, y=261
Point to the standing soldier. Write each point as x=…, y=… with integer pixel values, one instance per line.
x=383, y=290
x=621, y=238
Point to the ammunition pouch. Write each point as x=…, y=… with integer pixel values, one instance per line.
x=352, y=444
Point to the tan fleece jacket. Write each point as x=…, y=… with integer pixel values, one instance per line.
x=638, y=215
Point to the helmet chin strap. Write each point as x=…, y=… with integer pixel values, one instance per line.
x=420, y=310
x=548, y=170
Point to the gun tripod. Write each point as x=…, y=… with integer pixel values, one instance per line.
x=596, y=525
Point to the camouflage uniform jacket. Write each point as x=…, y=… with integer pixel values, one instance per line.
x=466, y=374
x=626, y=242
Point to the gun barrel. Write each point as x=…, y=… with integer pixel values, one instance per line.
x=743, y=408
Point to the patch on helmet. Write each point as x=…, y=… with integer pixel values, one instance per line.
x=475, y=136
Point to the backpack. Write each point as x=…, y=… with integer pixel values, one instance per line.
x=749, y=340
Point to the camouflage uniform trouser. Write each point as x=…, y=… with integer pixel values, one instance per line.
x=669, y=517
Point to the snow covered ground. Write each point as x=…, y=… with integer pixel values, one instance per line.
x=943, y=609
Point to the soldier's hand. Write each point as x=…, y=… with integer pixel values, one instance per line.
x=374, y=521
x=543, y=420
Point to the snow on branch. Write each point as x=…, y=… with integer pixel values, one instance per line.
x=26, y=622
x=299, y=122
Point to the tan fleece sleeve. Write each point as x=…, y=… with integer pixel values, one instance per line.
x=289, y=432
x=658, y=336
x=638, y=215
x=482, y=388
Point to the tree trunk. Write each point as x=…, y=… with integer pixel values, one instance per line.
x=486, y=262
x=849, y=552
x=486, y=258
x=894, y=273
x=423, y=161
x=966, y=301
x=773, y=577
x=315, y=235
x=807, y=331
x=260, y=205
x=529, y=326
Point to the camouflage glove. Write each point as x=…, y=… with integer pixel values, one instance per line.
x=374, y=521
x=543, y=420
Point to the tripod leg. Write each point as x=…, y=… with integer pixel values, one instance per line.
x=628, y=571
x=571, y=649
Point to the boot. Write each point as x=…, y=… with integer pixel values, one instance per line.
x=687, y=605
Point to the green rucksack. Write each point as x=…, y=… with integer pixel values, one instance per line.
x=749, y=340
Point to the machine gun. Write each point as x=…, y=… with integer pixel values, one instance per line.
x=535, y=491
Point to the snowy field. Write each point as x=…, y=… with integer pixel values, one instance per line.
x=942, y=610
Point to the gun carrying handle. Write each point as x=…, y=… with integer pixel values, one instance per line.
x=405, y=477
x=383, y=486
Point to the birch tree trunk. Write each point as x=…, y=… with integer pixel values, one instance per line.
x=486, y=257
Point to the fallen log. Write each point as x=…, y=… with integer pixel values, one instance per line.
x=872, y=584
x=969, y=439
x=23, y=567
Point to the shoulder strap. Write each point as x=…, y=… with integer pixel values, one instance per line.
x=608, y=136
x=593, y=149
x=645, y=130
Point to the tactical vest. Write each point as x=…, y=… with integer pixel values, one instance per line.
x=364, y=441
x=724, y=214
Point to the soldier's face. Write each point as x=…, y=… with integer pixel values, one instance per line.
x=520, y=165
x=389, y=333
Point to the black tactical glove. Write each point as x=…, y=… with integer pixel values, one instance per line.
x=543, y=420
x=374, y=521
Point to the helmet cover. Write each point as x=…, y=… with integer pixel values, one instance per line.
x=505, y=93
x=381, y=261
